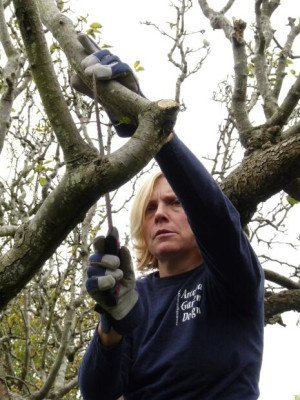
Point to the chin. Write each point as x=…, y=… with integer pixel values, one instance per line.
x=166, y=250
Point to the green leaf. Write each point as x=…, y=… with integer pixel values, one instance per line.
x=83, y=19
x=291, y=200
x=95, y=25
x=39, y=167
x=54, y=46
x=137, y=66
x=43, y=181
x=292, y=71
x=125, y=120
x=61, y=5
x=90, y=32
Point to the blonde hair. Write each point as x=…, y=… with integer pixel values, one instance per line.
x=145, y=259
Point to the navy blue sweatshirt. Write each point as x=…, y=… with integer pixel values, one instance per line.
x=201, y=337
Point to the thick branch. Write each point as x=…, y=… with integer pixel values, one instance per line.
x=262, y=175
x=288, y=300
x=46, y=80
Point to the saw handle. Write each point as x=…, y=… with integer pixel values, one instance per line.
x=112, y=246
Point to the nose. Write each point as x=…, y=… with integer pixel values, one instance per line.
x=161, y=213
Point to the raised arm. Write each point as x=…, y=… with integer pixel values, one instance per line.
x=213, y=219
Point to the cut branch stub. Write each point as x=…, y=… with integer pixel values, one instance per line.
x=169, y=110
x=239, y=27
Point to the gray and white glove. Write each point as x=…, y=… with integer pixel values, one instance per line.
x=106, y=66
x=107, y=273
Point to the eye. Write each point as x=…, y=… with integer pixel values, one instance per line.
x=150, y=208
x=176, y=202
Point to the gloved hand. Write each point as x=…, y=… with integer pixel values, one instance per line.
x=105, y=66
x=104, y=272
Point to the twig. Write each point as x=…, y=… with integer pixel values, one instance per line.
x=101, y=148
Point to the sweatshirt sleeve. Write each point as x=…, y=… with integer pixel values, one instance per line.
x=100, y=373
x=214, y=221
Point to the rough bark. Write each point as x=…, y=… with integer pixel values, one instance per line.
x=277, y=303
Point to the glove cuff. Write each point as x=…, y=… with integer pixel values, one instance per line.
x=123, y=130
x=126, y=324
x=105, y=323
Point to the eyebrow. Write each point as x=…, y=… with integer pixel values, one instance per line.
x=165, y=197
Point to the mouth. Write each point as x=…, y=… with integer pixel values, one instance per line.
x=162, y=232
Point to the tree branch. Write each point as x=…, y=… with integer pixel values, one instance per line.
x=217, y=19
x=282, y=114
x=261, y=175
x=235, y=33
x=45, y=77
x=286, y=52
x=281, y=280
x=11, y=74
x=277, y=303
x=263, y=37
x=239, y=95
x=8, y=230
